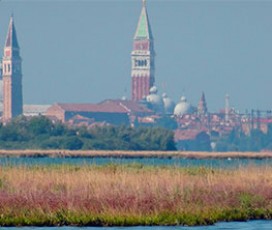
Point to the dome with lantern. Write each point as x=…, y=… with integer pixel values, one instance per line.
x=154, y=100
x=169, y=105
x=183, y=107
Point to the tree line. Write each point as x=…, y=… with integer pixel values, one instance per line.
x=41, y=133
x=237, y=140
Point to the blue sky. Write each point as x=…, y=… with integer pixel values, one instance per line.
x=79, y=51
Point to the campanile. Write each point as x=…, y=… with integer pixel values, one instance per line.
x=143, y=58
x=12, y=76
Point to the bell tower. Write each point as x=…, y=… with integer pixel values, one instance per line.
x=143, y=58
x=202, y=105
x=12, y=76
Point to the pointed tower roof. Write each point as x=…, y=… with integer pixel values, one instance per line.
x=202, y=105
x=143, y=29
x=203, y=97
x=11, y=40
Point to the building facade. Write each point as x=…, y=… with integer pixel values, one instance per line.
x=143, y=58
x=12, y=76
x=114, y=112
x=64, y=112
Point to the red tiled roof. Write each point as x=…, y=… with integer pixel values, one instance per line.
x=129, y=106
x=102, y=108
x=79, y=117
x=263, y=120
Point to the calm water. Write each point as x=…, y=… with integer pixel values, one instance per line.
x=258, y=225
x=185, y=162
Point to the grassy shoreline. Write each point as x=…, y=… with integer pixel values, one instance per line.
x=110, y=153
x=129, y=195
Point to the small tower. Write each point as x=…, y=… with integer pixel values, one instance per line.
x=202, y=105
x=227, y=107
x=12, y=76
x=142, y=57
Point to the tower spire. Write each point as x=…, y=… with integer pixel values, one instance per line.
x=143, y=58
x=143, y=29
x=227, y=107
x=202, y=105
x=12, y=76
x=11, y=39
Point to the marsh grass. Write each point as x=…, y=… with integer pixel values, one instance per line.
x=127, y=195
x=124, y=153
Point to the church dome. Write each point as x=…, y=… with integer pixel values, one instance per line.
x=154, y=100
x=153, y=90
x=183, y=107
x=169, y=105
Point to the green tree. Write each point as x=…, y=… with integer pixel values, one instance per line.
x=40, y=125
x=167, y=122
x=72, y=143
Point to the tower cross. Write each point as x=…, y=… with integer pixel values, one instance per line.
x=144, y=2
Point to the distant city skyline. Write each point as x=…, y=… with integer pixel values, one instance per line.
x=79, y=51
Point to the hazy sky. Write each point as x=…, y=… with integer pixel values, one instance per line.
x=79, y=51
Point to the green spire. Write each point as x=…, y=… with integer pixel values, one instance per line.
x=143, y=29
x=11, y=40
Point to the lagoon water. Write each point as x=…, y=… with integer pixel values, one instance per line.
x=250, y=225
x=168, y=161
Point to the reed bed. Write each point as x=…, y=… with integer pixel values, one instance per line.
x=110, y=153
x=118, y=195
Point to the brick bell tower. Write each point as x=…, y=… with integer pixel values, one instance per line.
x=143, y=58
x=12, y=76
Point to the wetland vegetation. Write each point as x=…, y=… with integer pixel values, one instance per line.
x=126, y=195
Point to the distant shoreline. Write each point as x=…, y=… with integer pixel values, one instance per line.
x=133, y=154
